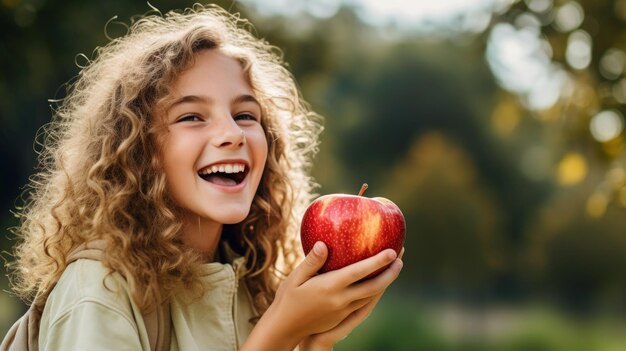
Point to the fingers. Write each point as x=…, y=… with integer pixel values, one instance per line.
x=311, y=264
x=361, y=313
x=376, y=285
x=347, y=325
x=358, y=316
x=358, y=304
x=359, y=270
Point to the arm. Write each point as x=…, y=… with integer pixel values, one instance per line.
x=308, y=304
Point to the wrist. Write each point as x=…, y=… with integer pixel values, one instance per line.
x=271, y=334
x=311, y=344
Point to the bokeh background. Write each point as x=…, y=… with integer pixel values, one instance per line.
x=496, y=125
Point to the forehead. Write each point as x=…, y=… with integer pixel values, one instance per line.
x=212, y=73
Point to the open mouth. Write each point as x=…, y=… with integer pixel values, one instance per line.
x=227, y=174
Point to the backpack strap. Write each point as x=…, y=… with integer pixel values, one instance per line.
x=24, y=334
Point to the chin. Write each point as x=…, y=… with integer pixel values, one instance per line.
x=232, y=217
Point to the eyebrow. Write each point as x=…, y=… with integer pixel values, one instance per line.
x=207, y=100
x=245, y=98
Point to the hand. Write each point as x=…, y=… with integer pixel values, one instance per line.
x=307, y=303
x=326, y=340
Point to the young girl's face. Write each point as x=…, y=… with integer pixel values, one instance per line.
x=215, y=151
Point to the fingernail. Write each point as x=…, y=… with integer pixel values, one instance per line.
x=317, y=248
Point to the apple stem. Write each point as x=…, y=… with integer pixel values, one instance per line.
x=363, y=188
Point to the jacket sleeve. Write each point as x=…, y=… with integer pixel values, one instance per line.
x=91, y=325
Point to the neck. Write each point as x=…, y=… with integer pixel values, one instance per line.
x=202, y=236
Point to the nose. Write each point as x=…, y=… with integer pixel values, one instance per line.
x=231, y=135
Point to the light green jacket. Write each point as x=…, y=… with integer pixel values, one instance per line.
x=82, y=314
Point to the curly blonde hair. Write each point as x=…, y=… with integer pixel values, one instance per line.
x=100, y=175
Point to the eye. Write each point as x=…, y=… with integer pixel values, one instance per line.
x=245, y=117
x=189, y=118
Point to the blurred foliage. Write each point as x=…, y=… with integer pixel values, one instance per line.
x=400, y=324
x=585, y=40
x=505, y=203
x=574, y=244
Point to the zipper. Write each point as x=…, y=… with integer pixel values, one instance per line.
x=234, y=309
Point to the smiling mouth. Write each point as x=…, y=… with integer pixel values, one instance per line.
x=224, y=174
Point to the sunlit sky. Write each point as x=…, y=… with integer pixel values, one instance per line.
x=422, y=15
x=519, y=56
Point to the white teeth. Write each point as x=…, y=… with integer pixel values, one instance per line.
x=224, y=168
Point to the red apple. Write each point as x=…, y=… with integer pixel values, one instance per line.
x=353, y=227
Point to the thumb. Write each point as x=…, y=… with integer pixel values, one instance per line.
x=312, y=262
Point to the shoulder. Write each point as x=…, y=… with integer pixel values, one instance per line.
x=91, y=309
x=89, y=282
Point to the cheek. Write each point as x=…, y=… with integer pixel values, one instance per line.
x=261, y=148
x=174, y=159
x=167, y=158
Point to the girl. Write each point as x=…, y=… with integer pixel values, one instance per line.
x=184, y=147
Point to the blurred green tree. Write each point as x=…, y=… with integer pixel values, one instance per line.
x=502, y=200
